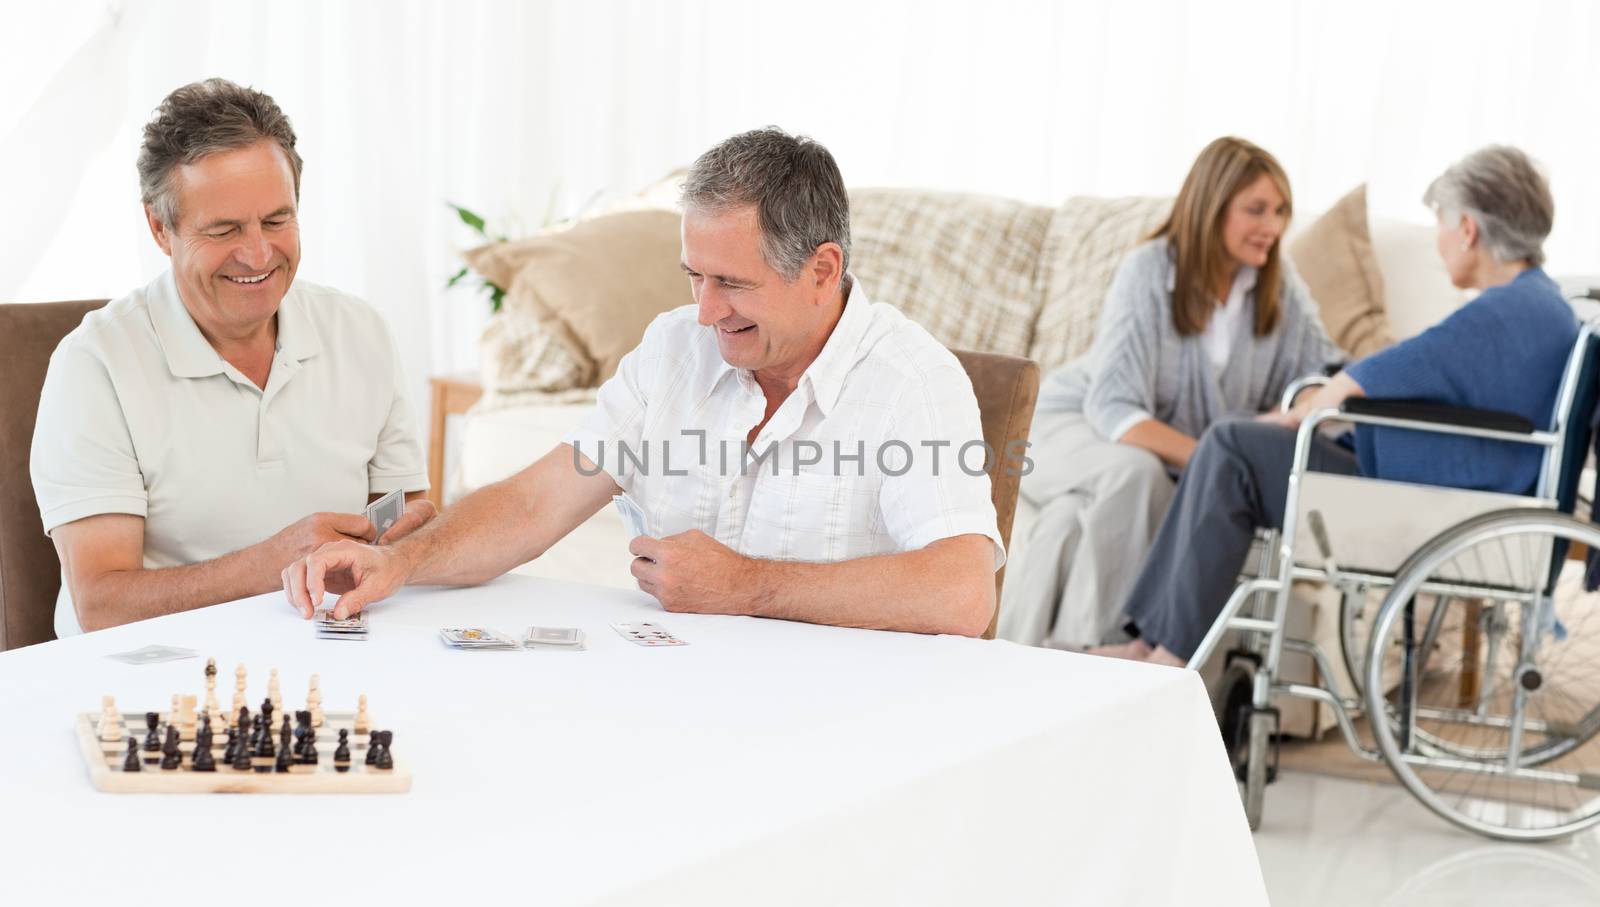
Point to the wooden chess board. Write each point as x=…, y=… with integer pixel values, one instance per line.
x=105, y=765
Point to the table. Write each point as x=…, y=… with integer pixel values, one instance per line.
x=767, y=762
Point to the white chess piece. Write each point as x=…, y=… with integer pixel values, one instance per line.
x=363, y=722
x=314, y=702
x=111, y=727
x=274, y=693
x=213, y=708
x=238, y=696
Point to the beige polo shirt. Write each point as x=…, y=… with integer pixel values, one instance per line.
x=140, y=415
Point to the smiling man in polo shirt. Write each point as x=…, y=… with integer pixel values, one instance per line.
x=200, y=433
x=864, y=515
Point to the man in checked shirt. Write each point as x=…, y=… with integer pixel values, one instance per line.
x=796, y=450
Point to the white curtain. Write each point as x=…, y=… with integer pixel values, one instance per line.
x=514, y=108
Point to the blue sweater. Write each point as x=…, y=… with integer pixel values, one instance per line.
x=1504, y=350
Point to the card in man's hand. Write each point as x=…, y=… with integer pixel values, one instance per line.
x=385, y=511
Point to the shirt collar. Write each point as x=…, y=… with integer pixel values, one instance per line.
x=827, y=372
x=190, y=355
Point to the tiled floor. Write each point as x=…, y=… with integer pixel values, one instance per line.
x=1328, y=841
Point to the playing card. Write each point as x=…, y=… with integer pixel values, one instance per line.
x=632, y=515
x=477, y=638
x=646, y=633
x=150, y=655
x=383, y=512
x=565, y=639
x=351, y=628
x=326, y=621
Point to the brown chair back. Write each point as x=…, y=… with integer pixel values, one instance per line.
x=1007, y=388
x=30, y=575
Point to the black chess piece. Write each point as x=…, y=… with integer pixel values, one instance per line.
x=152, y=740
x=282, y=765
x=203, y=760
x=384, y=761
x=202, y=736
x=372, y=748
x=231, y=749
x=283, y=738
x=244, y=720
x=309, y=755
x=266, y=711
x=264, y=745
x=241, y=756
x=341, y=755
x=133, y=763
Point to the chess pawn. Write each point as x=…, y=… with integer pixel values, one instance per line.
x=341, y=755
x=133, y=763
x=363, y=722
x=152, y=741
x=186, y=718
x=111, y=728
x=372, y=747
x=314, y=702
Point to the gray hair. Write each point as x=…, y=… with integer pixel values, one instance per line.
x=791, y=180
x=200, y=119
x=1506, y=194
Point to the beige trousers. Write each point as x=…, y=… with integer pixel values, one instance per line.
x=1100, y=504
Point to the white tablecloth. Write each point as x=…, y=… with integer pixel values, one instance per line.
x=765, y=763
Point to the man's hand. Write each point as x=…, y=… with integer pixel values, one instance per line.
x=693, y=572
x=417, y=515
x=307, y=535
x=359, y=573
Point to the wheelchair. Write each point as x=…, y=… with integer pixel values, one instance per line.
x=1470, y=644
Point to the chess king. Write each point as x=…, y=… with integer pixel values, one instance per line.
x=207, y=429
x=782, y=351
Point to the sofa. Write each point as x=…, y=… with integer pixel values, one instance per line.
x=979, y=272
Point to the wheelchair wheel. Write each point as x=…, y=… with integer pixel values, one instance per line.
x=1483, y=677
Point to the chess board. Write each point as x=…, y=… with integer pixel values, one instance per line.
x=105, y=765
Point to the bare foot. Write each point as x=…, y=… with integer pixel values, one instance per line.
x=1160, y=656
x=1137, y=650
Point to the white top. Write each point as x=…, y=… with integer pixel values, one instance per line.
x=140, y=415
x=860, y=459
x=914, y=770
x=1217, y=338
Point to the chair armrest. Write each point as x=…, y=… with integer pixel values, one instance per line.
x=1286, y=402
x=1439, y=414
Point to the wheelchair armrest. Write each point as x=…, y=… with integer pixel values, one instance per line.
x=1440, y=414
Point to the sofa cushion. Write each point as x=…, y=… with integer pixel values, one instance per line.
x=578, y=299
x=962, y=266
x=1334, y=256
x=1085, y=242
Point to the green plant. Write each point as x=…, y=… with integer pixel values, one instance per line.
x=475, y=221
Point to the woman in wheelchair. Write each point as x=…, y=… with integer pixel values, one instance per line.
x=1204, y=320
x=1505, y=350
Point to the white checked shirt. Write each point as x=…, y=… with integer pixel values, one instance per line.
x=882, y=387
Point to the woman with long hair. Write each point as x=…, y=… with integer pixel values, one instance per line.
x=1204, y=320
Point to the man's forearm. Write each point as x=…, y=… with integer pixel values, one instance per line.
x=933, y=590
x=482, y=536
x=123, y=596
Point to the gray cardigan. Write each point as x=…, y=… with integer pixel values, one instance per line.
x=1139, y=362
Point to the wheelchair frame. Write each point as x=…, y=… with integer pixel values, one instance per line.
x=1268, y=593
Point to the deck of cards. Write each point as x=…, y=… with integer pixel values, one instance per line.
x=385, y=511
x=477, y=638
x=632, y=515
x=555, y=639
x=351, y=628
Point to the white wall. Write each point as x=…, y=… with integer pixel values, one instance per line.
x=505, y=106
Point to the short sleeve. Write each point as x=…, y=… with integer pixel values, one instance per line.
x=83, y=461
x=617, y=419
x=943, y=491
x=397, y=463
